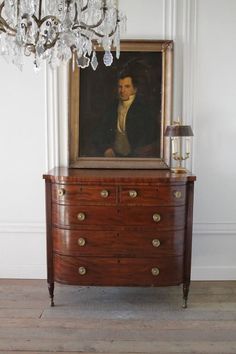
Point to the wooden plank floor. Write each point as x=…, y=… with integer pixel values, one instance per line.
x=117, y=320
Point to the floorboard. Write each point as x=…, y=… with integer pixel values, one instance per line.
x=117, y=320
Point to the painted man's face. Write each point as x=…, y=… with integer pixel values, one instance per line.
x=126, y=88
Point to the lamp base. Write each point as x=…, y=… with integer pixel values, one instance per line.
x=179, y=170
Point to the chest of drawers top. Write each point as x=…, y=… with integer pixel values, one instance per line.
x=116, y=177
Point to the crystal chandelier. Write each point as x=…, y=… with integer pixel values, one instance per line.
x=58, y=30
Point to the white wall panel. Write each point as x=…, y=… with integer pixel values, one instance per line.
x=144, y=18
x=214, y=142
x=23, y=253
x=215, y=112
x=204, y=32
x=22, y=161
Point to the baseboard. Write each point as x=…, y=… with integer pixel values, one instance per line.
x=213, y=273
x=22, y=228
x=214, y=228
x=23, y=271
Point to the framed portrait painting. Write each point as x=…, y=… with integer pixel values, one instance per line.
x=118, y=114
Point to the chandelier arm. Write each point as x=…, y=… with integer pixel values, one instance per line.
x=85, y=7
x=18, y=8
x=82, y=10
x=40, y=9
x=76, y=12
x=31, y=48
x=49, y=46
x=97, y=33
x=48, y=17
x=4, y=24
x=39, y=24
x=7, y=27
x=83, y=25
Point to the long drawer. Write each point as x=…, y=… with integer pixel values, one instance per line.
x=118, y=271
x=161, y=217
x=122, y=243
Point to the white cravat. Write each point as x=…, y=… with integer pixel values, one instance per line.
x=122, y=113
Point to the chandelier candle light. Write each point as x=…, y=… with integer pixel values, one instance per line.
x=176, y=132
x=57, y=30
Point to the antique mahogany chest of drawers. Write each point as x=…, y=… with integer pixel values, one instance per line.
x=119, y=228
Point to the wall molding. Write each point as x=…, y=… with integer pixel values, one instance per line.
x=169, y=19
x=19, y=271
x=212, y=273
x=52, y=123
x=214, y=228
x=57, y=116
x=22, y=228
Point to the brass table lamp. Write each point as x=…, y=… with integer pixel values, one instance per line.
x=177, y=132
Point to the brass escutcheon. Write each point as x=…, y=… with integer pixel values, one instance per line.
x=104, y=193
x=81, y=242
x=156, y=242
x=81, y=216
x=82, y=270
x=177, y=194
x=61, y=192
x=133, y=194
x=155, y=272
x=156, y=217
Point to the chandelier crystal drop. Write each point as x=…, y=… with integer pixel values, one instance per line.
x=56, y=30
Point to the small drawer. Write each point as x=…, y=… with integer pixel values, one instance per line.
x=156, y=195
x=76, y=215
x=151, y=243
x=83, y=194
x=85, y=242
x=118, y=271
x=120, y=243
x=161, y=218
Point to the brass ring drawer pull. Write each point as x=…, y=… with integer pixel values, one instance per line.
x=82, y=270
x=61, y=192
x=104, y=193
x=156, y=242
x=133, y=194
x=155, y=272
x=81, y=216
x=81, y=242
x=177, y=194
x=156, y=217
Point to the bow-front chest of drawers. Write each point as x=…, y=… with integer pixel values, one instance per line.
x=119, y=228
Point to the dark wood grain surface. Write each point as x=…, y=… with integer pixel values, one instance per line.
x=118, y=243
x=122, y=241
x=118, y=271
x=94, y=176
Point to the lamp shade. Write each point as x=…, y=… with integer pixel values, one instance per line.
x=178, y=130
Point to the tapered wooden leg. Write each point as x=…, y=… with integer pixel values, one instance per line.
x=51, y=292
x=185, y=295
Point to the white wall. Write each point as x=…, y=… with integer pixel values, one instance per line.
x=215, y=144
x=204, y=32
x=22, y=161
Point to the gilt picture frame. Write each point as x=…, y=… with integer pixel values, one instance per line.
x=97, y=107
